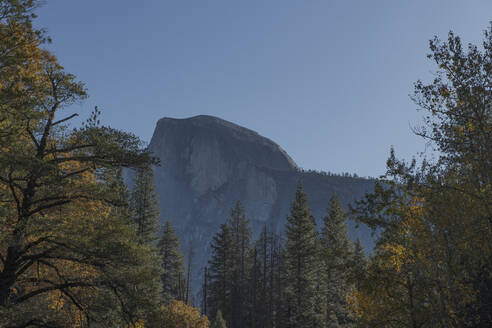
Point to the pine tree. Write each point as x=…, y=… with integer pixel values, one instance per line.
x=320, y=297
x=277, y=280
x=113, y=177
x=335, y=254
x=241, y=238
x=172, y=264
x=263, y=308
x=359, y=264
x=220, y=272
x=189, y=268
x=264, y=284
x=300, y=263
x=219, y=321
x=230, y=269
x=255, y=302
x=145, y=205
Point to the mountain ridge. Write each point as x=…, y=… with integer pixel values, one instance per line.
x=208, y=164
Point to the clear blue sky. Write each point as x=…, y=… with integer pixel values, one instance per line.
x=327, y=80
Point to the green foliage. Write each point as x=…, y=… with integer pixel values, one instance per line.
x=179, y=315
x=241, y=239
x=219, y=321
x=336, y=254
x=220, y=271
x=145, y=205
x=300, y=263
x=68, y=255
x=263, y=284
x=229, y=268
x=433, y=262
x=172, y=265
x=358, y=265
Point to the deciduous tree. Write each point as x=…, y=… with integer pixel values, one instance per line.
x=433, y=260
x=179, y=315
x=66, y=256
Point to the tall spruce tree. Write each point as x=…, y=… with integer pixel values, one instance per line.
x=277, y=280
x=262, y=293
x=320, y=298
x=230, y=269
x=336, y=252
x=262, y=306
x=300, y=264
x=255, y=302
x=172, y=264
x=220, y=273
x=358, y=265
x=145, y=205
x=265, y=282
x=241, y=239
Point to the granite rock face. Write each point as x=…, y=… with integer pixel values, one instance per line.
x=207, y=164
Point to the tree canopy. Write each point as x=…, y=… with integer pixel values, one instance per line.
x=432, y=266
x=66, y=257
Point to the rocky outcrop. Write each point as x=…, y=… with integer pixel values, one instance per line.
x=207, y=164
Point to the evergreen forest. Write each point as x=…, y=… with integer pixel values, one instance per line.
x=79, y=248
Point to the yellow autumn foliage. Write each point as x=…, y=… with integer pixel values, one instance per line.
x=179, y=315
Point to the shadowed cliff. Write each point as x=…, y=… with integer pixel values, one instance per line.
x=207, y=164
